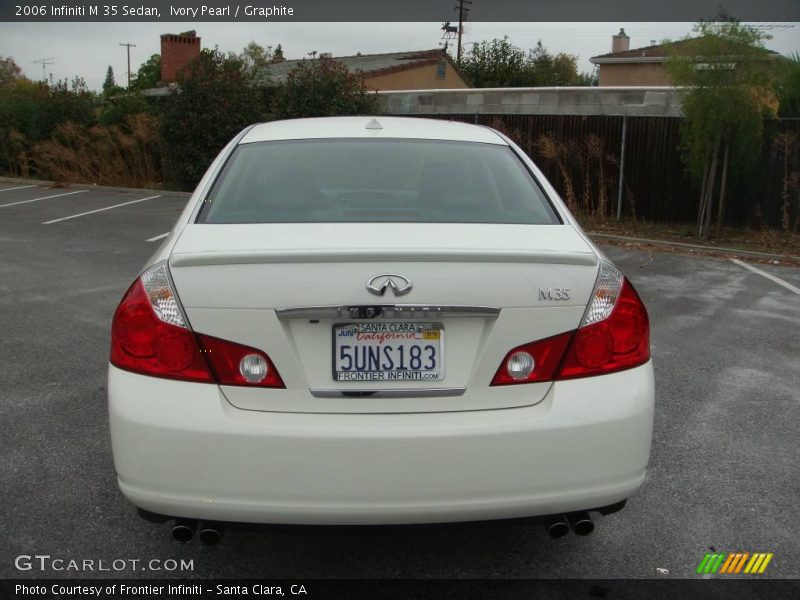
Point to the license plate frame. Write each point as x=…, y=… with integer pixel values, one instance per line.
x=421, y=328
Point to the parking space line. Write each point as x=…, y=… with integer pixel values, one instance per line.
x=44, y=198
x=158, y=237
x=22, y=187
x=97, y=210
x=769, y=276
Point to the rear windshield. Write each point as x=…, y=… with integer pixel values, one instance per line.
x=358, y=180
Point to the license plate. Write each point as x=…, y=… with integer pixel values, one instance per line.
x=388, y=351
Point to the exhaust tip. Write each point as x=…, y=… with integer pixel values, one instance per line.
x=580, y=523
x=210, y=536
x=183, y=531
x=557, y=527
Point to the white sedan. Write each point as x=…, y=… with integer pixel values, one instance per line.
x=364, y=320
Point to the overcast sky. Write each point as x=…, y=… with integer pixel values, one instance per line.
x=87, y=49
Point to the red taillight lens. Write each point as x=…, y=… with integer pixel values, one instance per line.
x=142, y=343
x=226, y=360
x=546, y=355
x=621, y=341
x=150, y=335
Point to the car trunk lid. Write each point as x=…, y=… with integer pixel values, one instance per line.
x=284, y=288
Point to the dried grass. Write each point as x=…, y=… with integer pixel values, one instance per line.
x=103, y=155
x=586, y=161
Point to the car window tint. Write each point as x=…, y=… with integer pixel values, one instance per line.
x=357, y=180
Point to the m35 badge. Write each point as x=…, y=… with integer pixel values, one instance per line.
x=556, y=293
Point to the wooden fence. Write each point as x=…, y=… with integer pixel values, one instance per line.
x=657, y=186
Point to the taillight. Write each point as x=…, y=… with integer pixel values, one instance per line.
x=619, y=342
x=614, y=335
x=150, y=335
x=545, y=357
x=234, y=364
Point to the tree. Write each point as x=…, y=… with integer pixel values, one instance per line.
x=588, y=79
x=215, y=98
x=118, y=109
x=148, y=75
x=789, y=86
x=322, y=87
x=728, y=76
x=546, y=69
x=254, y=56
x=495, y=63
x=9, y=71
x=498, y=63
x=109, y=84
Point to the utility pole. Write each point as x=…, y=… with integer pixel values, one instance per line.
x=129, y=46
x=462, y=16
x=44, y=62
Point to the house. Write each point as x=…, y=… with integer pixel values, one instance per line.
x=624, y=66
x=639, y=66
x=414, y=70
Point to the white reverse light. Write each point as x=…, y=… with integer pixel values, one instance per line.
x=606, y=292
x=253, y=367
x=162, y=297
x=520, y=365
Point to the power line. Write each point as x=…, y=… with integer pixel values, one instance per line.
x=44, y=62
x=128, y=47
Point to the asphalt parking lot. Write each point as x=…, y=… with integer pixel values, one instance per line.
x=725, y=456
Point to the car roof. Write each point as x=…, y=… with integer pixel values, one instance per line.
x=371, y=128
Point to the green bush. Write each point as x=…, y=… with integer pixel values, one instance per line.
x=322, y=87
x=116, y=110
x=215, y=98
x=499, y=63
x=31, y=111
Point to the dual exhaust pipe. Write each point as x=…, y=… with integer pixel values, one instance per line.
x=184, y=530
x=210, y=534
x=579, y=522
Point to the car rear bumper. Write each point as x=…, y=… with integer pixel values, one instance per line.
x=181, y=449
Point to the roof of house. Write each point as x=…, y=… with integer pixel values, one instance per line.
x=655, y=53
x=370, y=65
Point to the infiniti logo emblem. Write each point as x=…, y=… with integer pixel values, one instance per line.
x=400, y=284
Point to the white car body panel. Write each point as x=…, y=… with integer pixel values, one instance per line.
x=182, y=449
x=450, y=450
x=202, y=244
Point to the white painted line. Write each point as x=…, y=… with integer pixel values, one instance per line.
x=45, y=198
x=22, y=187
x=91, y=212
x=158, y=237
x=769, y=276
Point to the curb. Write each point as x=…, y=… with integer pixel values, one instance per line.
x=90, y=186
x=697, y=247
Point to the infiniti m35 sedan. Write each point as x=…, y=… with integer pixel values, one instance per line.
x=363, y=320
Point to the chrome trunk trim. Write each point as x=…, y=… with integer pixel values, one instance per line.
x=388, y=393
x=387, y=311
